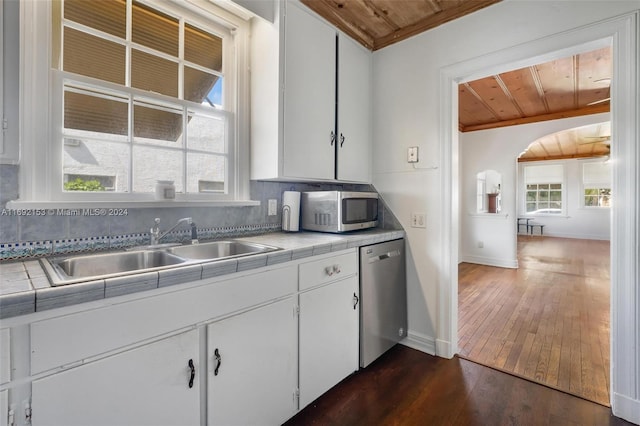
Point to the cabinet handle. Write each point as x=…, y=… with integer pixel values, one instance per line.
x=341, y=140
x=193, y=373
x=333, y=137
x=218, y=359
x=356, y=300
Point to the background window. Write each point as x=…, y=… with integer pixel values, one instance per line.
x=543, y=189
x=596, y=181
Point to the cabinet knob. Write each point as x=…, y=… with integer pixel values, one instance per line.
x=336, y=269
x=329, y=270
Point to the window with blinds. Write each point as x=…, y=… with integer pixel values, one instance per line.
x=596, y=182
x=543, y=189
x=142, y=93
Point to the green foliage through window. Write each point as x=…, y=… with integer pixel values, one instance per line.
x=79, y=184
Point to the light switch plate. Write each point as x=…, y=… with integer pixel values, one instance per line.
x=418, y=220
x=273, y=207
x=412, y=154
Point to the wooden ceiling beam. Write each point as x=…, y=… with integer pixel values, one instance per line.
x=593, y=109
x=560, y=157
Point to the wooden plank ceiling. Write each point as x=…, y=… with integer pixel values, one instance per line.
x=568, y=87
x=379, y=23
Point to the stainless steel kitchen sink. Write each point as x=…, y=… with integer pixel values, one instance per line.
x=73, y=269
x=79, y=268
x=220, y=249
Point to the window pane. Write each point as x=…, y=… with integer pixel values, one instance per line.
x=154, y=29
x=205, y=172
x=107, y=16
x=555, y=195
x=206, y=133
x=151, y=164
x=531, y=207
x=157, y=126
x=543, y=196
x=532, y=196
x=95, y=114
x=87, y=159
x=591, y=201
x=555, y=186
x=555, y=205
x=532, y=187
x=94, y=57
x=202, y=48
x=202, y=87
x=154, y=74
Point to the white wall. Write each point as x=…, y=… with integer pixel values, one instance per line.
x=408, y=82
x=498, y=149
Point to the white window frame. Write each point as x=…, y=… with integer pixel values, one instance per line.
x=563, y=182
x=599, y=185
x=41, y=164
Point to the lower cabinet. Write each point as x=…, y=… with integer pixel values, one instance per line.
x=329, y=330
x=4, y=408
x=156, y=384
x=252, y=366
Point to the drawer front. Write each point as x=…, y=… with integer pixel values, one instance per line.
x=327, y=269
x=68, y=339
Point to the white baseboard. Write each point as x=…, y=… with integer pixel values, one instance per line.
x=490, y=261
x=420, y=342
x=626, y=408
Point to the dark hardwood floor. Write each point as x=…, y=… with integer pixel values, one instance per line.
x=547, y=321
x=408, y=387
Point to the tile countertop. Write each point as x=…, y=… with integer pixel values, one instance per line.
x=25, y=288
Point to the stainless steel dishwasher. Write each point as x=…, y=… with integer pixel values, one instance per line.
x=383, y=298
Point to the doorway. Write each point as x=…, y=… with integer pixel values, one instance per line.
x=624, y=375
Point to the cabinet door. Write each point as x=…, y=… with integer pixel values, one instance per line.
x=143, y=386
x=354, y=111
x=252, y=367
x=4, y=408
x=309, y=96
x=329, y=328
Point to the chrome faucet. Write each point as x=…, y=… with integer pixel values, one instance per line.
x=157, y=235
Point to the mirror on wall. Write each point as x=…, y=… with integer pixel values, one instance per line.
x=488, y=187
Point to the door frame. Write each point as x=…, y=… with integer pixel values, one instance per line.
x=621, y=33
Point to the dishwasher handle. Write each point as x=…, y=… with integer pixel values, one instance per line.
x=388, y=255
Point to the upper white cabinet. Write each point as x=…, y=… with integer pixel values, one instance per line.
x=311, y=109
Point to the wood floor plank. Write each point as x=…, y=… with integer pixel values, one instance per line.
x=548, y=320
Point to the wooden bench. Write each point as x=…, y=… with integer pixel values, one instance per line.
x=532, y=225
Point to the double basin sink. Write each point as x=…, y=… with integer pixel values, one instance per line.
x=73, y=269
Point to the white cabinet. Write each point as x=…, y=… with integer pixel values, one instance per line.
x=5, y=375
x=252, y=366
x=329, y=325
x=309, y=96
x=354, y=111
x=156, y=384
x=323, y=105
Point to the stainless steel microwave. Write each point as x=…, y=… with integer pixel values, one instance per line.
x=339, y=211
